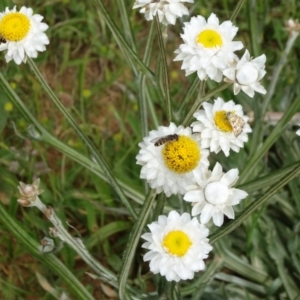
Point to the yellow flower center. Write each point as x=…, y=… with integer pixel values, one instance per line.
x=177, y=243
x=222, y=122
x=14, y=26
x=209, y=38
x=181, y=156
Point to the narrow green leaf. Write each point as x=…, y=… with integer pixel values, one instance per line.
x=130, y=55
x=89, y=144
x=133, y=240
x=165, y=77
x=271, y=139
x=50, y=260
x=126, y=25
x=266, y=181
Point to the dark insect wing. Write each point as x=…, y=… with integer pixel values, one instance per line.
x=164, y=139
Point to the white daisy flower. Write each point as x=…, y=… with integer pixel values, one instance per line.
x=169, y=157
x=208, y=47
x=177, y=246
x=246, y=73
x=298, y=131
x=167, y=10
x=22, y=34
x=223, y=126
x=213, y=196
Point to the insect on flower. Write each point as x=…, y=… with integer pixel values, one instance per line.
x=2, y=40
x=236, y=122
x=164, y=139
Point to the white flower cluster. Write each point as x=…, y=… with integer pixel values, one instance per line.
x=174, y=159
x=208, y=49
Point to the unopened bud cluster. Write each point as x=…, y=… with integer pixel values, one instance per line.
x=29, y=192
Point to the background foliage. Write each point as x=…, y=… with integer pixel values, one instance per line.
x=88, y=71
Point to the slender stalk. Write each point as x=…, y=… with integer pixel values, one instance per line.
x=237, y=10
x=186, y=99
x=133, y=242
x=255, y=42
x=159, y=206
x=276, y=73
x=249, y=169
x=126, y=25
x=132, y=58
x=76, y=244
x=49, y=260
x=200, y=100
x=93, y=150
x=164, y=66
x=142, y=84
x=173, y=291
x=254, y=206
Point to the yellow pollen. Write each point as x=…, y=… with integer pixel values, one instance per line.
x=222, y=121
x=181, y=156
x=177, y=243
x=14, y=26
x=209, y=38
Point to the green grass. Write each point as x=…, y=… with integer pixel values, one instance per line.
x=260, y=259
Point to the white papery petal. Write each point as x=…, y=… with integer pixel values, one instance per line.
x=167, y=264
x=167, y=11
x=231, y=177
x=218, y=218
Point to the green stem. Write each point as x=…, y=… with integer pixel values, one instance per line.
x=76, y=244
x=252, y=8
x=93, y=151
x=49, y=260
x=133, y=242
x=276, y=73
x=132, y=58
x=126, y=24
x=237, y=10
x=142, y=84
x=271, y=139
x=254, y=206
x=186, y=99
x=164, y=66
x=200, y=100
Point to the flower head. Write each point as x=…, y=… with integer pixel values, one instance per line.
x=167, y=10
x=169, y=157
x=292, y=26
x=177, y=246
x=213, y=195
x=208, y=47
x=22, y=34
x=246, y=73
x=29, y=192
x=223, y=126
